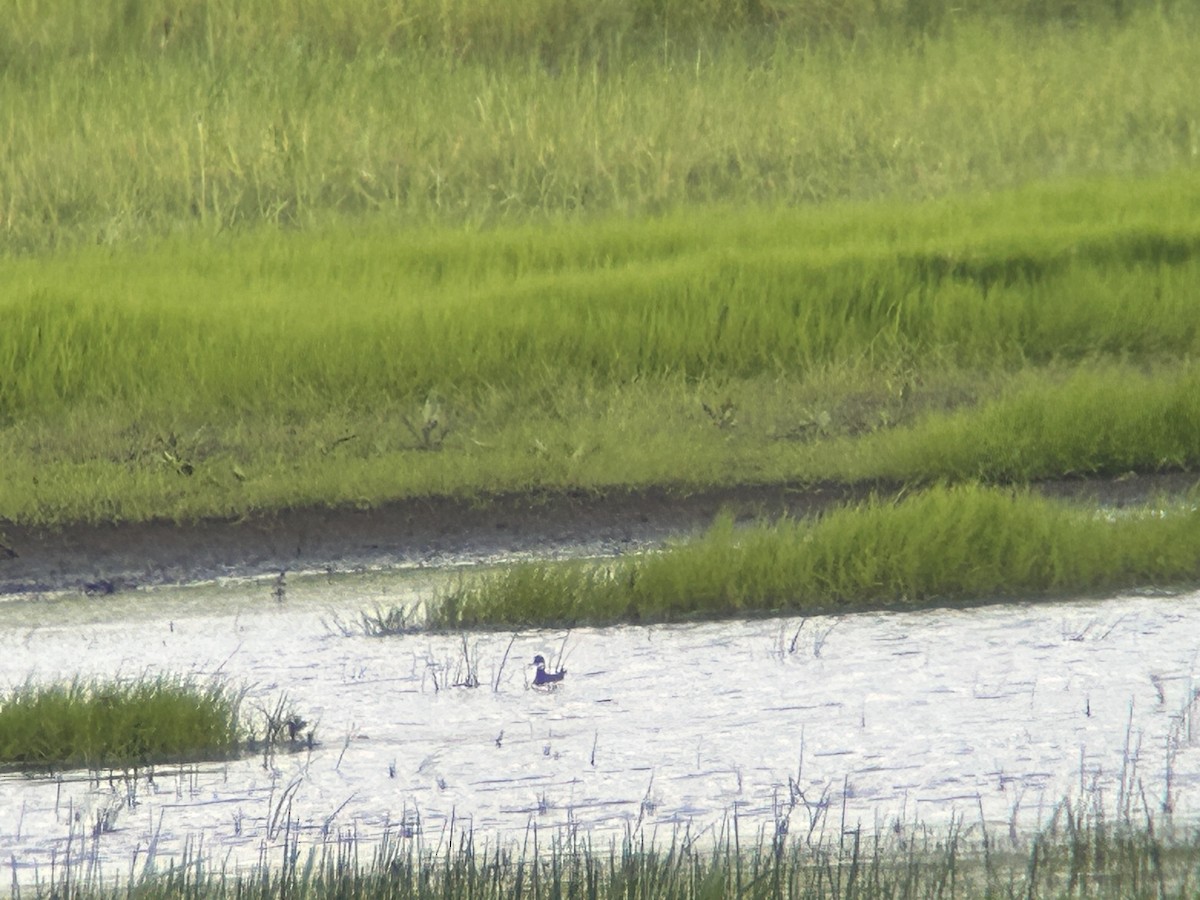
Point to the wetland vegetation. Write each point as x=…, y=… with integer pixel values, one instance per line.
x=318, y=254
x=130, y=724
x=1048, y=331
x=1078, y=854
x=475, y=248
x=941, y=545
x=101, y=724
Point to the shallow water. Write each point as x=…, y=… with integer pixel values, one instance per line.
x=992, y=714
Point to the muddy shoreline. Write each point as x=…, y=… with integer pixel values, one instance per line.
x=437, y=531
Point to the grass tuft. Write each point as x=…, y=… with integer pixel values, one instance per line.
x=101, y=724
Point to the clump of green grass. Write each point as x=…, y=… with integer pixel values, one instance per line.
x=92, y=723
x=943, y=545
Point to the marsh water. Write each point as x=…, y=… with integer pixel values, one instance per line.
x=989, y=716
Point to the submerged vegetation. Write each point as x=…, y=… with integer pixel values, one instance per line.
x=99, y=724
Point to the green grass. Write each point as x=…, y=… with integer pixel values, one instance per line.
x=100, y=724
x=359, y=314
x=942, y=545
x=301, y=112
x=41, y=29
x=972, y=337
x=1088, y=421
x=1079, y=854
x=317, y=253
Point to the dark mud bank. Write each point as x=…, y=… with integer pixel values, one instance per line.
x=436, y=531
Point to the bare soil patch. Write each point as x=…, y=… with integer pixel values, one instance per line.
x=438, y=531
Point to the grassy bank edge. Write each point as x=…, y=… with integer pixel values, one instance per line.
x=121, y=409
x=965, y=544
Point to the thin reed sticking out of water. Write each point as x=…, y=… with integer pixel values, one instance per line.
x=1079, y=853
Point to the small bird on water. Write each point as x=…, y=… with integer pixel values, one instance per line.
x=542, y=677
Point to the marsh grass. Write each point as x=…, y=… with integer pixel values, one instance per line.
x=964, y=338
x=966, y=544
x=1078, y=854
x=97, y=724
x=135, y=119
x=289, y=323
x=551, y=29
x=318, y=253
x=1051, y=272
x=1105, y=421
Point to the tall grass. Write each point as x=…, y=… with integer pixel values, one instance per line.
x=97, y=724
x=353, y=318
x=351, y=366
x=130, y=119
x=555, y=28
x=942, y=545
x=350, y=252
x=1078, y=854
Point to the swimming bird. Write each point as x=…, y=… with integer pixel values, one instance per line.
x=542, y=676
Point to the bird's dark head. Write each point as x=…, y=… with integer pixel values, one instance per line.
x=539, y=660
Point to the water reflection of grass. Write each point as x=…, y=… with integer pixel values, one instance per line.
x=966, y=543
x=93, y=723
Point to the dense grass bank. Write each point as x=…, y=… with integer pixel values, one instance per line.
x=100, y=724
x=354, y=316
x=1079, y=854
x=1019, y=335
x=352, y=253
x=966, y=544
x=135, y=119
x=1104, y=421
x=670, y=434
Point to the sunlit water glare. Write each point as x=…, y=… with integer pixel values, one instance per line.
x=992, y=715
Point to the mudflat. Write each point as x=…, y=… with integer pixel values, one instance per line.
x=112, y=557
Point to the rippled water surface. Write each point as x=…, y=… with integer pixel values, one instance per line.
x=995, y=713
